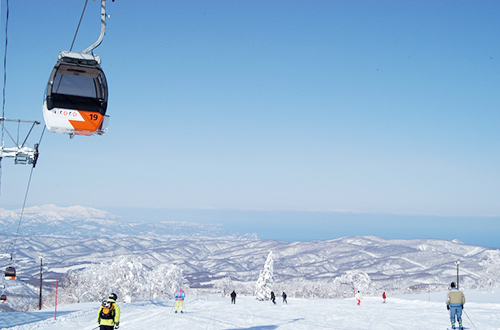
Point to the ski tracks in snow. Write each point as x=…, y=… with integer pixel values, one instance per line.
x=213, y=312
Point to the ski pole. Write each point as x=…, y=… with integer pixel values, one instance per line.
x=171, y=309
x=183, y=307
x=469, y=318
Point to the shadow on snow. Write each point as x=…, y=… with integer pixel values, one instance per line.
x=22, y=318
x=266, y=327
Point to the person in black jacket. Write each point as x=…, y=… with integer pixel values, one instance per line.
x=273, y=297
x=233, y=297
x=284, y=298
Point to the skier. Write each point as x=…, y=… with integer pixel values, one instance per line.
x=179, y=299
x=284, y=298
x=455, y=303
x=273, y=297
x=358, y=297
x=384, y=296
x=233, y=297
x=108, y=315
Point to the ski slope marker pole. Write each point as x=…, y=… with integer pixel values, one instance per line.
x=55, y=306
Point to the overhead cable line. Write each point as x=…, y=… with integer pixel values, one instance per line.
x=24, y=202
x=4, y=81
x=33, y=153
x=78, y=27
x=5, y=60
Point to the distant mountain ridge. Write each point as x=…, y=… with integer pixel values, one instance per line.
x=71, y=238
x=80, y=221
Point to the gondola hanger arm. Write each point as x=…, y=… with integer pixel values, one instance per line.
x=103, y=29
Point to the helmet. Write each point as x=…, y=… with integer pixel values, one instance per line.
x=113, y=296
x=105, y=302
x=452, y=284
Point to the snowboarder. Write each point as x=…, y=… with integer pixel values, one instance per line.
x=108, y=315
x=233, y=297
x=273, y=297
x=179, y=296
x=384, y=297
x=284, y=298
x=358, y=297
x=455, y=303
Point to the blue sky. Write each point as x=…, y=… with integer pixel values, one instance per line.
x=324, y=107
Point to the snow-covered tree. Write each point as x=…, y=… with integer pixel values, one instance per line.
x=126, y=276
x=164, y=280
x=352, y=281
x=265, y=283
x=123, y=275
x=225, y=285
x=491, y=266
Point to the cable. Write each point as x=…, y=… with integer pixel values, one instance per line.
x=78, y=27
x=24, y=203
x=22, y=210
x=5, y=61
x=4, y=81
x=3, y=127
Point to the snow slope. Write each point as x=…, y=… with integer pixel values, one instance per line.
x=213, y=312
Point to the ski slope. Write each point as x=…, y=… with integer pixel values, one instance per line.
x=214, y=312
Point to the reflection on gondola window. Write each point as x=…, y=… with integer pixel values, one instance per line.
x=74, y=85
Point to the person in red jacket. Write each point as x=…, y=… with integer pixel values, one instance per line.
x=384, y=296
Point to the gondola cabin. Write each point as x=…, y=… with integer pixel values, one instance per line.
x=76, y=97
x=10, y=273
x=3, y=298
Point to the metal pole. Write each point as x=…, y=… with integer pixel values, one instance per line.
x=40, y=297
x=458, y=278
x=55, y=306
x=20, y=120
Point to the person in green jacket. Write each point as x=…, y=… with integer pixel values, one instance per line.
x=108, y=315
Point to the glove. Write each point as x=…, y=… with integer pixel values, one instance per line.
x=448, y=307
x=117, y=325
x=462, y=306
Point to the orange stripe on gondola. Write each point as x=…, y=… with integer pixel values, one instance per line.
x=92, y=122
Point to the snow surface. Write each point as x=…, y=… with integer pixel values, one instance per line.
x=423, y=311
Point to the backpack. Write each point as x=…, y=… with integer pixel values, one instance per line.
x=107, y=312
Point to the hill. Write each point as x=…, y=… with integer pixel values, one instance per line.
x=74, y=237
